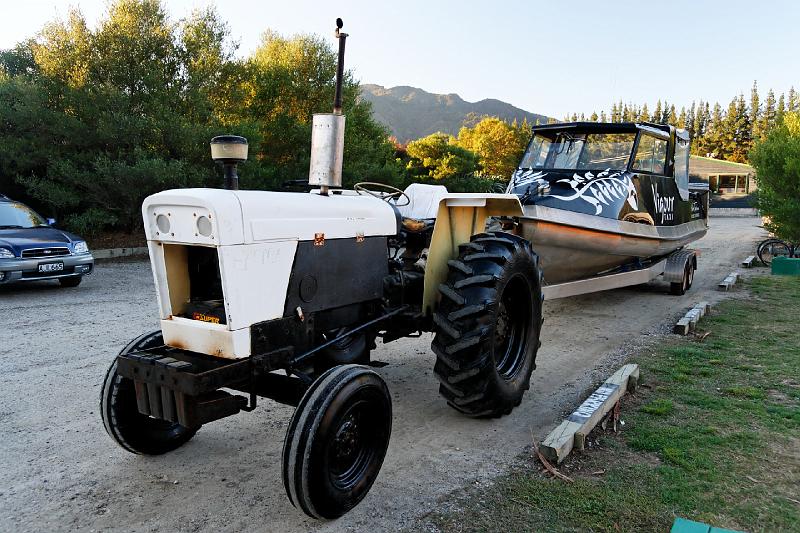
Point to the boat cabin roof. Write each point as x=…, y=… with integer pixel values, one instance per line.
x=660, y=130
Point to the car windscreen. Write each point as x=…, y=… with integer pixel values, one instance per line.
x=579, y=151
x=16, y=215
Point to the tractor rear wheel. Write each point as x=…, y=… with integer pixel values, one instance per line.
x=488, y=325
x=133, y=431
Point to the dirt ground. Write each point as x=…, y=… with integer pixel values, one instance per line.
x=59, y=470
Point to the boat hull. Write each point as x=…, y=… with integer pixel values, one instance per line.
x=574, y=246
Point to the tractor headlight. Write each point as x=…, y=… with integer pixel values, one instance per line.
x=80, y=247
x=5, y=253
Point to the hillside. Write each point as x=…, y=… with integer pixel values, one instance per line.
x=411, y=113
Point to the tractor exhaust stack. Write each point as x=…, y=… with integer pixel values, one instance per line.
x=327, y=133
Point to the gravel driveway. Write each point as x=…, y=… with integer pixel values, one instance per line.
x=59, y=471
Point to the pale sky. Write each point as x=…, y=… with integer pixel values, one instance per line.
x=549, y=57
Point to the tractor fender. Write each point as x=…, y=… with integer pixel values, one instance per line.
x=460, y=216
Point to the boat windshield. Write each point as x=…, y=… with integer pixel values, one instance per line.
x=579, y=151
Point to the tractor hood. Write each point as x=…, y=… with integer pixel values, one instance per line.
x=224, y=217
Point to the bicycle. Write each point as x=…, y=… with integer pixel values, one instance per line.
x=771, y=248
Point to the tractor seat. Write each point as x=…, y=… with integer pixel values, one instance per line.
x=420, y=212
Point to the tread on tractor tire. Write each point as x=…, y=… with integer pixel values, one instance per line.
x=133, y=431
x=488, y=324
x=336, y=441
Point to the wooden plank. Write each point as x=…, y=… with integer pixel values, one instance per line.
x=683, y=326
x=689, y=321
x=574, y=429
x=729, y=281
x=704, y=307
x=694, y=316
x=748, y=261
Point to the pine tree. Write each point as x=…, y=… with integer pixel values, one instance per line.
x=792, y=104
x=672, y=118
x=780, y=111
x=768, y=118
x=644, y=114
x=713, y=133
x=755, y=111
x=682, y=119
x=689, y=123
x=743, y=132
x=614, y=113
x=657, y=113
x=594, y=117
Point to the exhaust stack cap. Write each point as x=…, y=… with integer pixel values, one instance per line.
x=327, y=150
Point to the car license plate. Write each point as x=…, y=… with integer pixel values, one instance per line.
x=51, y=267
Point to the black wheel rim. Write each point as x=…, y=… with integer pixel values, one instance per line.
x=511, y=329
x=352, y=446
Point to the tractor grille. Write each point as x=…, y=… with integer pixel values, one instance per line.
x=45, y=253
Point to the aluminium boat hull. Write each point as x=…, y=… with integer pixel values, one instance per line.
x=574, y=245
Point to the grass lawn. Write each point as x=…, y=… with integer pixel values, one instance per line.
x=713, y=436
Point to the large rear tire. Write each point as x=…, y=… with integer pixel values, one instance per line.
x=336, y=441
x=488, y=325
x=133, y=431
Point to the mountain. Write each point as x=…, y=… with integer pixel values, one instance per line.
x=411, y=113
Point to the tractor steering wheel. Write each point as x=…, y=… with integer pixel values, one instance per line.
x=393, y=194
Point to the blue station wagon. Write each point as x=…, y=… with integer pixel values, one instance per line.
x=31, y=249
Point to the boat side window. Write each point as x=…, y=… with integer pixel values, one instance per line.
x=536, y=155
x=651, y=155
x=607, y=151
x=682, y=167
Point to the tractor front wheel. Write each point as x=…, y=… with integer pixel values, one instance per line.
x=336, y=441
x=488, y=325
x=133, y=431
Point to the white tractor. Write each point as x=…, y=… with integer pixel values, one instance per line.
x=283, y=295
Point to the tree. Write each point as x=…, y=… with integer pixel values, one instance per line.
x=755, y=111
x=498, y=145
x=644, y=115
x=690, y=121
x=792, y=103
x=768, y=118
x=657, y=113
x=439, y=157
x=776, y=159
x=94, y=120
x=594, y=117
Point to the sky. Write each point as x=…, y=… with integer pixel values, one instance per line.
x=551, y=57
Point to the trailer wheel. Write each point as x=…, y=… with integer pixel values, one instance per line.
x=488, y=325
x=679, y=288
x=336, y=441
x=133, y=431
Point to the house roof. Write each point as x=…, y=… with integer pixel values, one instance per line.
x=706, y=166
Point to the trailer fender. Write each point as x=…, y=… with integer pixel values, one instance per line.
x=676, y=265
x=460, y=216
